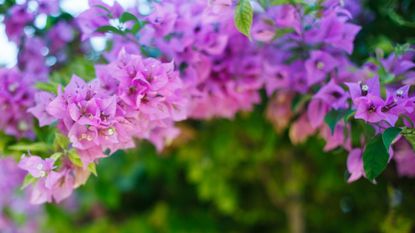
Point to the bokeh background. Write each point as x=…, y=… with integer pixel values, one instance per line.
x=238, y=175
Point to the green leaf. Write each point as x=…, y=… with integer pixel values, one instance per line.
x=375, y=157
x=409, y=134
x=56, y=156
x=282, y=32
x=74, y=157
x=103, y=7
x=37, y=146
x=389, y=135
x=92, y=167
x=401, y=49
x=127, y=16
x=264, y=3
x=335, y=116
x=243, y=17
x=109, y=28
x=28, y=180
x=299, y=102
x=61, y=141
x=136, y=27
x=150, y=51
x=281, y=2
x=48, y=87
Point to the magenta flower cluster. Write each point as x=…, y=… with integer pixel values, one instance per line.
x=13, y=199
x=16, y=96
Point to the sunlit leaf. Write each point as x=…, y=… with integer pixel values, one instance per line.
x=243, y=17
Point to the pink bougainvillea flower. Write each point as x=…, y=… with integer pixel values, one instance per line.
x=355, y=165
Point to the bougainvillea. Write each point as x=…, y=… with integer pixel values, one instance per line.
x=191, y=60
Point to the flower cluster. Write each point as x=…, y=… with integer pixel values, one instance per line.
x=15, y=200
x=308, y=59
x=38, y=43
x=220, y=67
x=16, y=96
x=312, y=65
x=35, y=48
x=52, y=183
x=132, y=97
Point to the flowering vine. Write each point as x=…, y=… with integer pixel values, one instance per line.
x=200, y=60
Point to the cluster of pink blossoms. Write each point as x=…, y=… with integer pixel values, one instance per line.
x=310, y=62
x=21, y=29
x=220, y=68
x=17, y=83
x=15, y=200
x=53, y=183
x=16, y=96
x=132, y=97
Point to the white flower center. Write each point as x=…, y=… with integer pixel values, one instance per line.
x=110, y=131
x=320, y=65
x=13, y=87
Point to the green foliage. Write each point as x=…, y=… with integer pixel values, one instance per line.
x=390, y=135
x=409, y=135
x=376, y=154
x=375, y=157
x=35, y=147
x=48, y=87
x=28, y=180
x=80, y=66
x=243, y=17
x=334, y=116
x=74, y=157
x=126, y=16
x=109, y=28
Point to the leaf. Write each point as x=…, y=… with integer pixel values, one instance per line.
x=56, y=156
x=375, y=157
x=148, y=51
x=28, y=180
x=48, y=87
x=264, y=3
x=281, y=2
x=409, y=134
x=61, y=141
x=283, y=31
x=74, y=157
x=127, y=16
x=401, y=49
x=389, y=135
x=243, y=17
x=104, y=8
x=136, y=27
x=92, y=167
x=37, y=146
x=335, y=116
x=299, y=102
x=109, y=28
